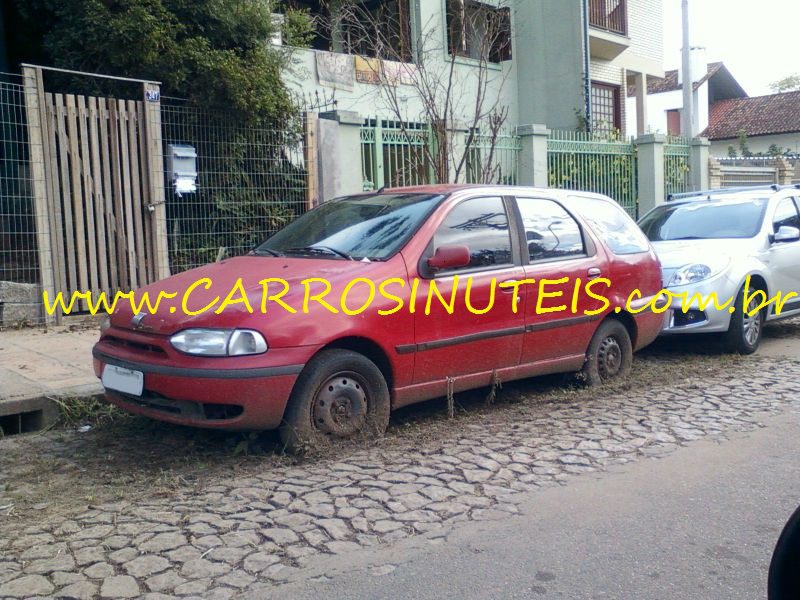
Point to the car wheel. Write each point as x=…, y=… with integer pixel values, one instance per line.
x=610, y=354
x=745, y=331
x=339, y=394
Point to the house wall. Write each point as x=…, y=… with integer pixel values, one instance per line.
x=758, y=144
x=548, y=38
x=659, y=104
x=543, y=83
x=645, y=28
x=428, y=17
x=645, y=54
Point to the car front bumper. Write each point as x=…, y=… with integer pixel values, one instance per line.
x=206, y=394
x=690, y=316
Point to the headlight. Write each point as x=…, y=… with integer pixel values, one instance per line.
x=690, y=274
x=219, y=342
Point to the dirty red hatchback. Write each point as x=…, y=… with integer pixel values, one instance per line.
x=376, y=301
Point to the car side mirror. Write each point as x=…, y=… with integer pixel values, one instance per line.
x=449, y=257
x=786, y=234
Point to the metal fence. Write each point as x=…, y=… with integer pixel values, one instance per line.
x=19, y=261
x=494, y=159
x=677, y=168
x=394, y=154
x=596, y=163
x=252, y=180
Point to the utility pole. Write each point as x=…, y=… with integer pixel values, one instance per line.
x=687, y=118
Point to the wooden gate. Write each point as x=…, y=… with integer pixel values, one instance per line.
x=101, y=190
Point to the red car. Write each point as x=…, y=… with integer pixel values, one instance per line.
x=434, y=288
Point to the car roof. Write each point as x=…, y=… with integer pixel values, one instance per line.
x=503, y=190
x=731, y=193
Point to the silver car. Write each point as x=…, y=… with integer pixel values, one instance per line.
x=718, y=241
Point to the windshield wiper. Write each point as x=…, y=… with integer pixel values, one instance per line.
x=262, y=251
x=318, y=250
x=687, y=237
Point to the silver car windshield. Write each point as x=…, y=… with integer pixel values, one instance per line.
x=705, y=220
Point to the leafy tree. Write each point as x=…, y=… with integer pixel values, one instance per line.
x=787, y=84
x=216, y=53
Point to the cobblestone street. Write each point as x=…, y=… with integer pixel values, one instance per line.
x=259, y=520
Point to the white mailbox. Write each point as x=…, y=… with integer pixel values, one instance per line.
x=182, y=168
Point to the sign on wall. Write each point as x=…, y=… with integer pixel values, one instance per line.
x=368, y=70
x=335, y=70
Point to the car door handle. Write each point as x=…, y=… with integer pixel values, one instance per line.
x=594, y=273
x=509, y=288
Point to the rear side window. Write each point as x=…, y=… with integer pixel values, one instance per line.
x=480, y=224
x=786, y=215
x=619, y=232
x=550, y=231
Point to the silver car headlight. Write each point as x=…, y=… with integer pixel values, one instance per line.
x=219, y=342
x=690, y=274
x=695, y=272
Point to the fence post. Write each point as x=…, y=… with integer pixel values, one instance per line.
x=310, y=121
x=714, y=174
x=785, y=171
x=37, y=120
x=155, y=163
x=698, y=165
x=651, y=170
x=533, y=155
x=339, y=151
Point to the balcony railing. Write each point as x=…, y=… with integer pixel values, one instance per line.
x=611, y=15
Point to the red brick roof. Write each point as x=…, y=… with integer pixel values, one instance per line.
x=762, y=115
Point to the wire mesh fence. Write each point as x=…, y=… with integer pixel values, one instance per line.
x=251, y=181
x=19, y=262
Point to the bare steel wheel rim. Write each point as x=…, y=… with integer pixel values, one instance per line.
x=609, y=357
x=751, y=323
x=340, y=405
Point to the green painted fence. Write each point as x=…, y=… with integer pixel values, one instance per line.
x=600, y=163
x=493, y=160
x=676, y=165
x=393, y=154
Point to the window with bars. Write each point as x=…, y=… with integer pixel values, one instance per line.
x=606, y=110
x=479, y=31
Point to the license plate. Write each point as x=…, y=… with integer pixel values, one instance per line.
x=123, y=380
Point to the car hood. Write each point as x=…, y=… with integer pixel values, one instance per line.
x=679, y=253
x=169, y=317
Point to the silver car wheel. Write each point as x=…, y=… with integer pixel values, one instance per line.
x=751, y=323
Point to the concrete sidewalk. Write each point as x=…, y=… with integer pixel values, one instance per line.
x=38, y=365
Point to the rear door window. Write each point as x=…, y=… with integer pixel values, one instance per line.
x=620, y=233
x=550, y=231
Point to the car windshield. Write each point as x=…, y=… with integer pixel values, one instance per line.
x=353, y=228
x=714, y=219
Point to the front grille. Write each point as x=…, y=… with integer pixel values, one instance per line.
x=195, y=411
x=132, y=345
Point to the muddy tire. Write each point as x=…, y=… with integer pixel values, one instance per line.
x=339, y=394
x=745, y=332
x=610, y=354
